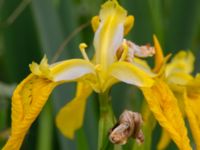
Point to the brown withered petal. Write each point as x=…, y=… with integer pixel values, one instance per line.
x=128, y=125
x=135, y=50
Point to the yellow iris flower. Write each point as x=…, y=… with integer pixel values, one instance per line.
x=99, y=75
x=187, y=90
x=162, y=101
x=170, y=108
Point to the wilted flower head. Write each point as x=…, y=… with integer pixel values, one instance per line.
x=128, y=125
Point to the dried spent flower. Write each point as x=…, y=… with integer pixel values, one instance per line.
x=129, y=125
x=134, y=50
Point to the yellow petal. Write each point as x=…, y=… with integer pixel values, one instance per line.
x=28, y=99
x=179, y=78
x=128, y=73
x=31, y=95
x=71, y=69
x=109, y=35
x=177, y=81
x=109, y=82
x=95, y=23
x=142, y=64
x=70, y=117
x=128, y=24
x=192, y=112
x=183, y=62
x=66, y=71
x=165, y=108
x=193, y=88
x=159, y=57
x=164, y=140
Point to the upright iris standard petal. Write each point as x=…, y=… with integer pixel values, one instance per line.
x=70, y=117
x=128, y=24
x=110, y=32
x=130, y=74
x=165, y=108
x=32, y=93
x=95, y=21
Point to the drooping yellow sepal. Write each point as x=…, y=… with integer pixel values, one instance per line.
x=165, y=108
x=28, y=100
x=70, y=117
x=32, y=93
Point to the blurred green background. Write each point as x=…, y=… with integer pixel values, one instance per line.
x=31, y=28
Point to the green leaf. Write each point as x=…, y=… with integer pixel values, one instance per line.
x=51, y=36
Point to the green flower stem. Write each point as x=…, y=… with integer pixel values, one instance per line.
x=81, y=140
x=106, y=120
